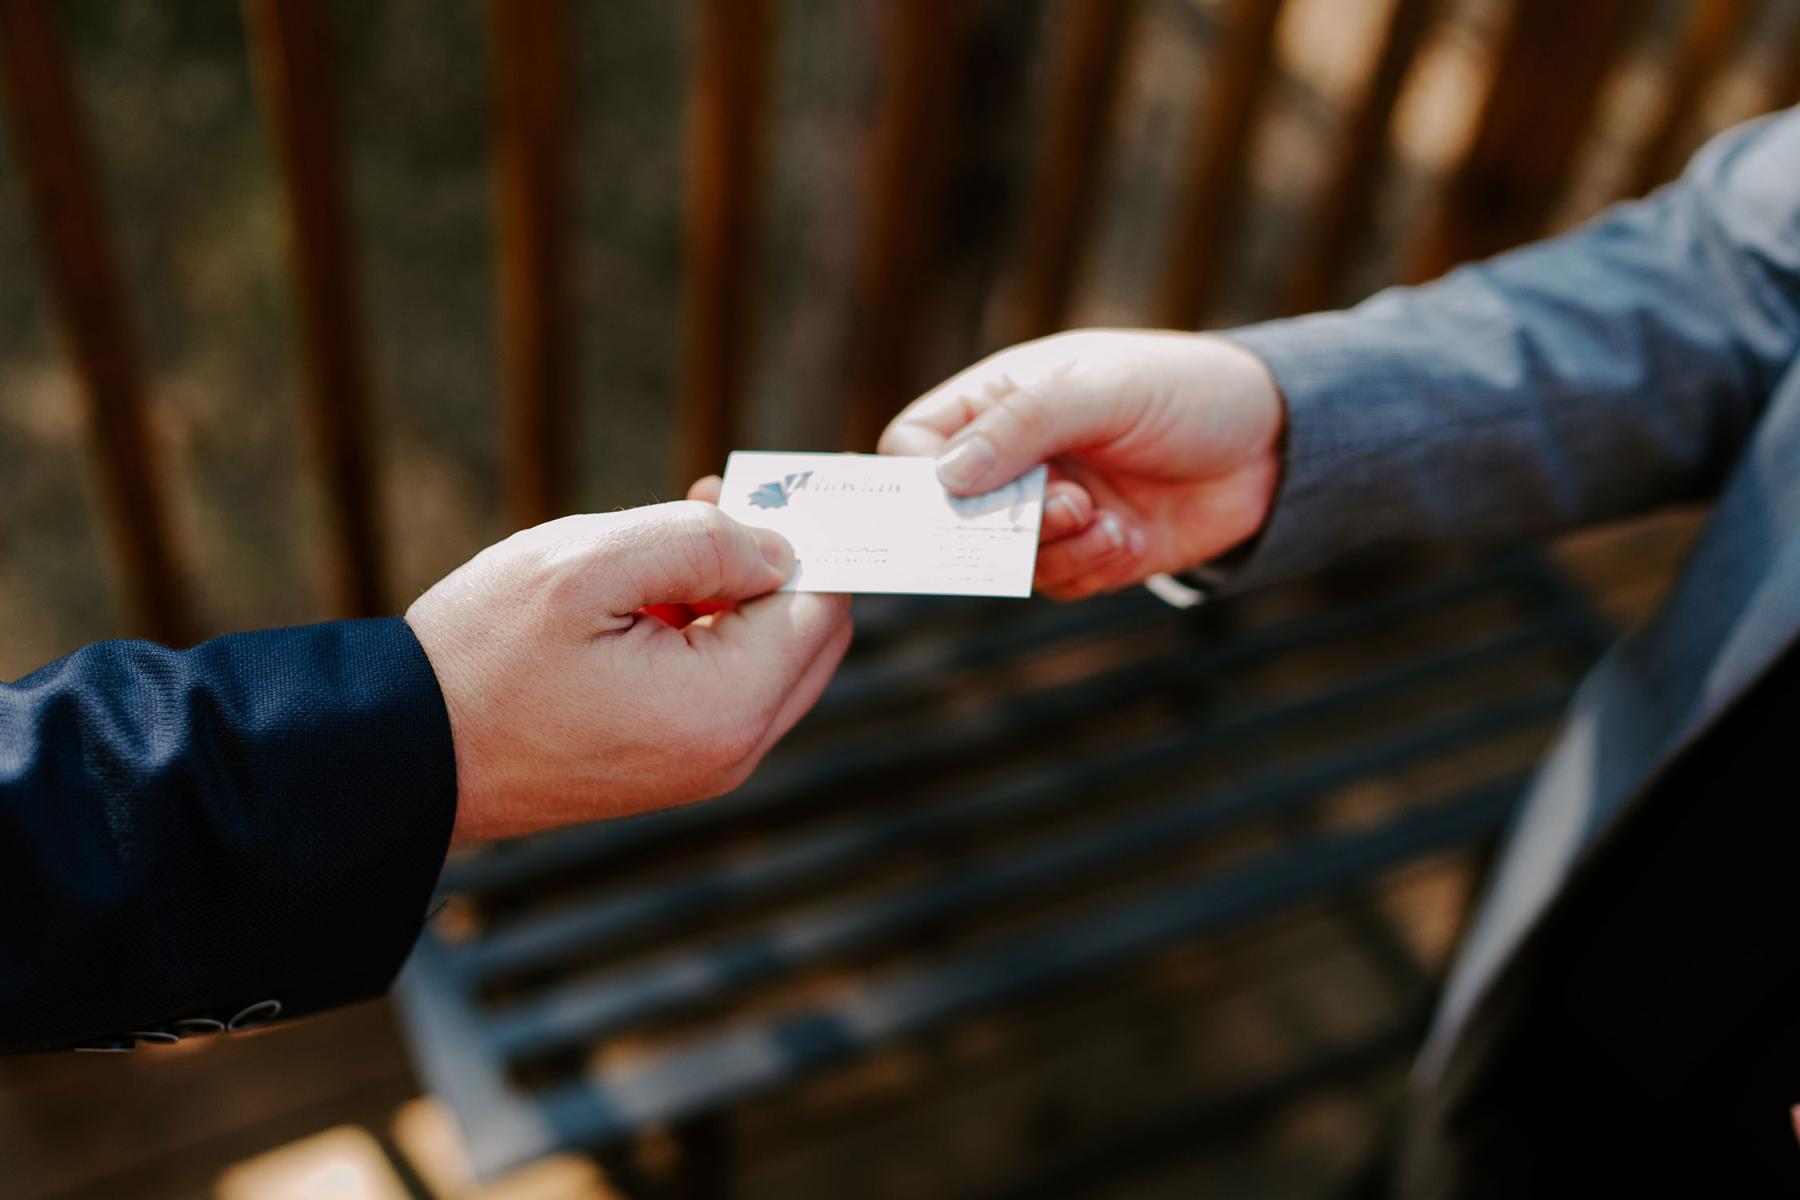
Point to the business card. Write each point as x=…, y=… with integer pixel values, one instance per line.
x=878, y=523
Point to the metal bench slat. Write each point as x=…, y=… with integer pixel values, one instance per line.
x=782, y=784
x=591, y=927
x=860, y=685
x=594, y=1008
x=596, y=1109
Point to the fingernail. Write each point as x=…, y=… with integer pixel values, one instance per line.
x=967, y=463
x=1135, y=541
x=1114, y=530
x=1067, y=513
x=776, y=550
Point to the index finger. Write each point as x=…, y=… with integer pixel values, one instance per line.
x=927, y=423
x=923, y=426
x=1034, y=395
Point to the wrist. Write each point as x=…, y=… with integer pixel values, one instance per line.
x=472, y=815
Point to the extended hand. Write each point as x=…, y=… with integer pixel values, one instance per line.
x=567, y=704
x=1163, y=447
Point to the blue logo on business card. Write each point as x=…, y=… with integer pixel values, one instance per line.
x=776, y=493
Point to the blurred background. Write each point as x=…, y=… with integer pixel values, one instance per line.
x=304, y=304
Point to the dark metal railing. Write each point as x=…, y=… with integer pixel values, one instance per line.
x=1553, y=62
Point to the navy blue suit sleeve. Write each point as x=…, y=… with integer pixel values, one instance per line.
x=186, y=835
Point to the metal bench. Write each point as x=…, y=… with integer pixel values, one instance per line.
x=991, y=801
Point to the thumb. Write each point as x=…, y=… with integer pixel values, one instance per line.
x=687, y=552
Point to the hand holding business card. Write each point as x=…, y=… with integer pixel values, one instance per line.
x=878, y=523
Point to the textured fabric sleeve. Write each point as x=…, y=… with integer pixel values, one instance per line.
x=188, y=837
x=1582, y=378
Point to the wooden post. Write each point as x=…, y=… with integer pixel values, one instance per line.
x=1555, y=58
x=53, y=157
x=1357, y=163
x=907, y=166
x=1090, y=67
x=725, y=145
x=1218, y=155
x=1712, y=29
x=290, y=43
x=536, y=369
x=1787, y=92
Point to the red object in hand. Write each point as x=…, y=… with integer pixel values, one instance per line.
x=680, y=616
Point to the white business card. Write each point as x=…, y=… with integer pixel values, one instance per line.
x=877, y=523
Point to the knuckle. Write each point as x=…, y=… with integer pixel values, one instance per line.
x=1064, y=353
x=708, y=539
x=1024, y=407
x=708, y=515
x=733, y=751
x=698, y=519
x=1074, y=343
x=565, y=581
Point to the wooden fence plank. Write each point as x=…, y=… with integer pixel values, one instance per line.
x=1712, y=29
x=1357, y=163
x=1089, y=69
x=536, y=366
x=908, y=162
x=1787, y=92
x=1219, y=153
x=290, y=43
x=1555, y=58
x=53, y=157
x=725, y=153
